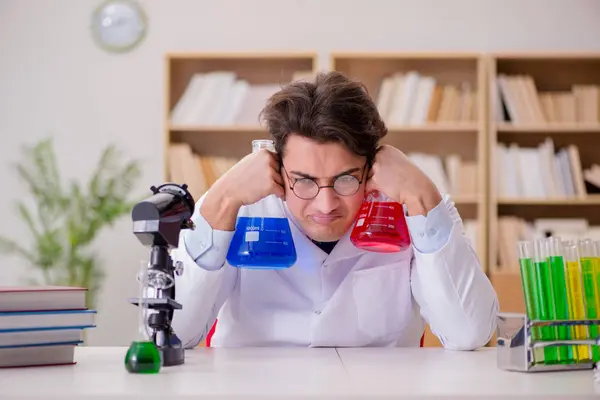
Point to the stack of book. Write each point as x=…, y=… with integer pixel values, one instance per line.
x=42, y=325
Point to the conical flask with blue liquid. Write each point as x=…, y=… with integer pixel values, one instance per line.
x=262, y=237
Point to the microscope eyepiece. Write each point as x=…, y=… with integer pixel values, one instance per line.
x=158, y=220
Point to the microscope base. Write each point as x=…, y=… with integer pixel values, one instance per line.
x=172, y=356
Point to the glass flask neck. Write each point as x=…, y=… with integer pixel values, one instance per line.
x=259, y=144
x=376, y=195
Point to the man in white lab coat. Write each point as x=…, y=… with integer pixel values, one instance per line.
x=326, y=135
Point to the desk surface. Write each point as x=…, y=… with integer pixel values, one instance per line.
x=260, y=373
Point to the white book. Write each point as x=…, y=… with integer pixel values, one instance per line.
x=404, y=102
x=223, y=86
x=385, y=96
x=202, y=109
x=512, y=166
x=424, y=93
x=181, y=113
x=234, y=103
x=531, y=172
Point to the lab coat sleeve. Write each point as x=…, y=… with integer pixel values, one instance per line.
x=431, y=232
x=455, y=296
x=206, y=281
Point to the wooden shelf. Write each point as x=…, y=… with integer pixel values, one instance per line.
x=429, y=128
x=435, y=128
x=216, y=128
x=566, y=128
x=588, y=200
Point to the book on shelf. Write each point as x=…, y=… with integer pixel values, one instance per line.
x=517, y=100
x=451, y=174
x=512, y=229
x=543, y=172
x=199, y=172
x=221, y=98
x=413, y=98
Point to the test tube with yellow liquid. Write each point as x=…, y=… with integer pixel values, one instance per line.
x=556, y=260
x=590, y=276
x=546, y=298
x=575, y=294
x=530, y=292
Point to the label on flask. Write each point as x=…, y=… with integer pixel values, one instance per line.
x=251, y=236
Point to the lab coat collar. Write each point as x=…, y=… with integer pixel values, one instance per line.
x=343, y=250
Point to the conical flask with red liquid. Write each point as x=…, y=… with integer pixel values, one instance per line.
x=380, y=226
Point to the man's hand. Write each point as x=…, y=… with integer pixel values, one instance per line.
x=395, y=175
x=254, y=177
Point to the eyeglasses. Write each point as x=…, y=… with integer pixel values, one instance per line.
x=308, y=188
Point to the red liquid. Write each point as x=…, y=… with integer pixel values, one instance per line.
x=381, y=227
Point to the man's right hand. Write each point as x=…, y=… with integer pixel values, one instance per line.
x=254, y=177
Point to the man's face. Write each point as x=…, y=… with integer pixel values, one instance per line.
x=329, y=215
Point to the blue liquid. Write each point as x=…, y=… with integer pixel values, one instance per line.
x=262, y=243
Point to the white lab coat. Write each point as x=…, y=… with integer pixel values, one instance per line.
x=350, y=297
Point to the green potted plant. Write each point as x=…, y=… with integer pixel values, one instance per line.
x=64, y=218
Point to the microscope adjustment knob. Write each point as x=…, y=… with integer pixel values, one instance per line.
x=178, y=268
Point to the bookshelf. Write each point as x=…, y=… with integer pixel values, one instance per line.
x=437, y=118
x=212, y=101
x=544, y=130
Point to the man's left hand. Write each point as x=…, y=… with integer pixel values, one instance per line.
x=396, y=176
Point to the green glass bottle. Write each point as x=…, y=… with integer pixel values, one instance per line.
x=143, y=357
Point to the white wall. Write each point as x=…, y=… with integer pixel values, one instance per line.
x=55, y=81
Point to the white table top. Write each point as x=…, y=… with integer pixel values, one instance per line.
x=260, y=373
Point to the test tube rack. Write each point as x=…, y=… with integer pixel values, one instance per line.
x=515, y=343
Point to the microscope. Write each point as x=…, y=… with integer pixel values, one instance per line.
x=157, y=222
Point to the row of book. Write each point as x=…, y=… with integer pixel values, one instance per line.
x=42, y=325
x=451, y=174
x=198, y=172
x=512, y=229
x=413, y=98
x=222, y=98
x=544, y=172
x=517, y=100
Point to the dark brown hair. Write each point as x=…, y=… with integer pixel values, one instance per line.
x=332, y=108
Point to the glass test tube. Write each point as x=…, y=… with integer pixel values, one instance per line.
x=530, y=292
x=561, y=304
x=588, y=256
x=576, y=300
x=544, y=285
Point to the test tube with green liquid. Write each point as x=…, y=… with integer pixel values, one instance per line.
x=561, y=303
x=546, y=297
x=597, y=266
x=530, y=292
x=576, y=300
x=587, y=254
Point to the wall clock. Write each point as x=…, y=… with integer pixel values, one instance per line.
x=118, y=25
